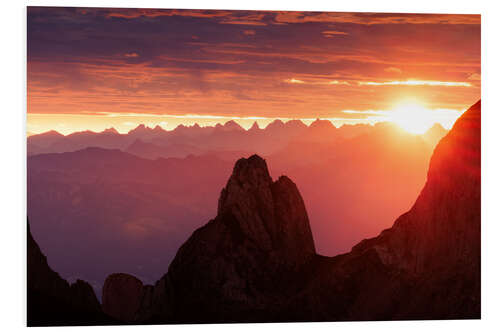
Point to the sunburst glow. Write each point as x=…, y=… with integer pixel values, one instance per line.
x=415, y=118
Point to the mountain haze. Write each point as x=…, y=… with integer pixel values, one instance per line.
x=256, y=261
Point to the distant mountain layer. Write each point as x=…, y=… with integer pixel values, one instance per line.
x=185, y=140
x=98, y=211
x=136, y=209
x=256, y=261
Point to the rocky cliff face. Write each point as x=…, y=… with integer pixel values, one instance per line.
x=437, y=243
x=122, y=296
x=52, y=300
x=249, y=255
x=246, y=260
x=427, y=266
x=256, y=261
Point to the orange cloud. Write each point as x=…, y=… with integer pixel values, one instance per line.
x=316, y=82
x=474, y=77
x=393, y=70
x=130, y=13
x=243, y=22
x=417, y=83
x=333, y=33
x=376, y=18
x=292, y=80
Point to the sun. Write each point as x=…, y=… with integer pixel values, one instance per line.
x=413, y=117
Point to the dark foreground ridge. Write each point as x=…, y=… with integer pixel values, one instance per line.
x=256, y=261
x=52, y=301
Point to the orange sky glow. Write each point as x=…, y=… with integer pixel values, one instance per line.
x=95, y=68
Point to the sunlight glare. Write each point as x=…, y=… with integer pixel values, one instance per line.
x=415, y=118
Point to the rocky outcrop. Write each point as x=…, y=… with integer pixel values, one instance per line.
x=247, y=257
x=427, y=266
x=122, y=296
x=256, y=262
x=52, y=300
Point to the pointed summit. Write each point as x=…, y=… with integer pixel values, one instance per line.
x=110, y=130
x=255, y=126
x=249, y=172
x=51, y=133
x=232, y=125
x=180, y=127
x=261, y=233
x=321, y=123
x=435, y=133
x=139, y=129
x=276, y=124
x=271, y=214
x=296, y=123
x=45, y=139
x=436, y=128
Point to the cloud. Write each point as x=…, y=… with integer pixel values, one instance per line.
x=243, y=22
x=317, y=82
x=131, y=13
x=474, y=77
x=333, y=33
x=292, y=80
x=339, y=82
x=416, y=83
x=376, y=18
x=86, y=63
x=131, y=55
x=393, y=70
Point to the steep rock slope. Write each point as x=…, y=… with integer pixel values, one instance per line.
x=52, y=300
x=256, y=260
x=244, y=259
x=121, y=296
x=427, y=266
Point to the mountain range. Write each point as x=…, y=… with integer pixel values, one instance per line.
x=185, y=140
x=256, y=261
x=137, y=208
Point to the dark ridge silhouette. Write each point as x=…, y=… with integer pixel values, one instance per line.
x=256, y=262
x=138, y=211
x=52, y=301
x=230, y=136
x=121, y=296
x=135, y=212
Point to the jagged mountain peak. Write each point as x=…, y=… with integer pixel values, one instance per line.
x=252, y=171
x=321, y=123
x=255, y=126
x=436, y=127
x=50, y=133
x=110, y=130
x=272, y=214
x=232, y=125
x=296, y=123
x=276, y=123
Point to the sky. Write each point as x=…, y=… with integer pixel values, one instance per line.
x=95, y=68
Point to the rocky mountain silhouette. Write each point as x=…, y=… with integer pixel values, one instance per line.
x=135, y=212
x=185, y=140
x=256, y=261
x=52, y=300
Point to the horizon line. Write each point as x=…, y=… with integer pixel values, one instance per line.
x=363, y=122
